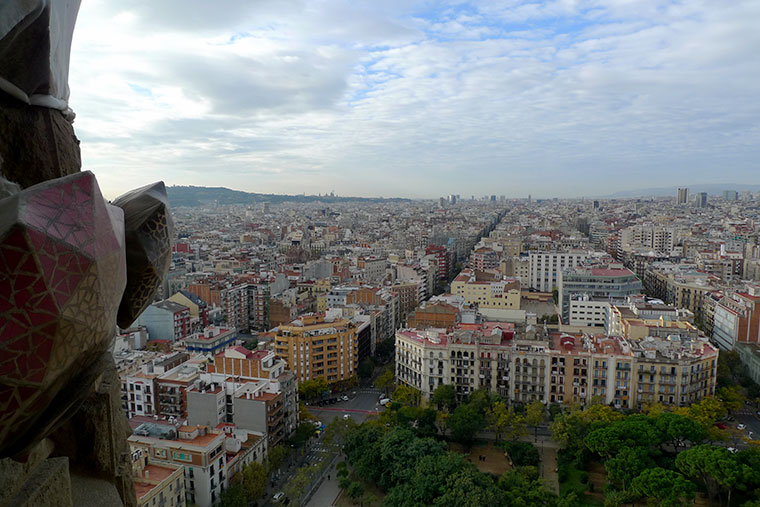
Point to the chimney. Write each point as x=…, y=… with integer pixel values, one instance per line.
x=146, y=474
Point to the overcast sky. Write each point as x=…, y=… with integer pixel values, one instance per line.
x=418, y=99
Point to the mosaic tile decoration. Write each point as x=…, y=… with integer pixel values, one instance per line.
x=149, y=231
x=62, y=276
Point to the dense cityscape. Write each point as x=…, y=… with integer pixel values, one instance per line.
x=448, y=253
x=586, y=347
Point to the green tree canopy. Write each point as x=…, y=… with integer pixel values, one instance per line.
x=633, y=431
x=627, y=464
x=677, y=430
x=253, y=480
x=445, y=396
x=366, y=367
x=665, y=487
x=732, y=397
x=470, y=488
x=504, y=421
x=385, y=381
x=277, y=455
x=313, y=388
x=465, y=423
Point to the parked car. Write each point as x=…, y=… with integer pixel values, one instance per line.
x=384, y=401
x=278, y=496
x=740, y=426
x=346, y=417
x=721, y=425
x=733, y=450
x=344, y=398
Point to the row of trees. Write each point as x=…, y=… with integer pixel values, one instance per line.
x=250, y=483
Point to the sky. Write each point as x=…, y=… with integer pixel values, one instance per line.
x=405, y=98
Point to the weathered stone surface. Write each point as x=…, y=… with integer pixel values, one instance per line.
x=92, y=492
x=36, y=143
x=95, y=438
x=45, y=485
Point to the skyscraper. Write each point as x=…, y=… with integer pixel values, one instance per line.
x=730, y=195
x=702, y=199
x=683, y=195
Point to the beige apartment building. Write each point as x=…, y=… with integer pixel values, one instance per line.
x=316, y=347
x=561, y=368
x=487, y=289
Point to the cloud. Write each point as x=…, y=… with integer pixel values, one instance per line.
x=417, y=98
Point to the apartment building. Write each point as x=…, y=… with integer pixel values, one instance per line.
x=680, y=285
x=647, y=236
x=545, y=267
x=484, y=258
x=198, y=309
x=211, y=340
x=166, y=320
x=157, y=484
x=444, y=260
x=172, y=388
x=198, y=449
x=472, y=356
x=437, y=315
x=737, y=318
x=609, y=282
x=230, y=296
x=487, y=289
x=249, y=404
x=676, y=370
x=585, y=311
x=241, y=363
x=314, y=347
x=560, y=368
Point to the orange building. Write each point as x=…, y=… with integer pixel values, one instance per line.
x=241, y=362
x=317, y=348
x=439, y=315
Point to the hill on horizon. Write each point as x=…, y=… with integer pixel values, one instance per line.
x=191, y=196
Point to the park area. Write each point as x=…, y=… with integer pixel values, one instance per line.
x=495, y=462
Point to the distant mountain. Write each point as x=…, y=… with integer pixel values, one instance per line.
x=710, y=188
x=199, y=196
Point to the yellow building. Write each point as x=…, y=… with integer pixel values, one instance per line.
x=316, y=348
x=638, y=329
x=487, y=290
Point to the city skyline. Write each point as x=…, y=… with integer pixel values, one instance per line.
x=565, y=99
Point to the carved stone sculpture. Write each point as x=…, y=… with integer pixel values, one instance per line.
x=149, y=231
x=62, y=275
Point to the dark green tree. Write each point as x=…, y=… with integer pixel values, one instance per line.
x=469, y=487
x=445, y=396
x=523, y=454
x=234, y=496
x=465, y=423
x=366, y=367
x=676, y=430
x=627, y=464
x=663, y=487
x=355, y=490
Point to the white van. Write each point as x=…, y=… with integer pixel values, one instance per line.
x=384, y=401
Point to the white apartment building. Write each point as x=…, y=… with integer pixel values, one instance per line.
x=200, y=450
x=585, y=311
x=546, y=266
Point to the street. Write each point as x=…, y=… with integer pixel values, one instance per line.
x=362, y=403
x=358, y=407
x=749, y=418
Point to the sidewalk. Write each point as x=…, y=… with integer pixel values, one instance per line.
x=328, y=491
